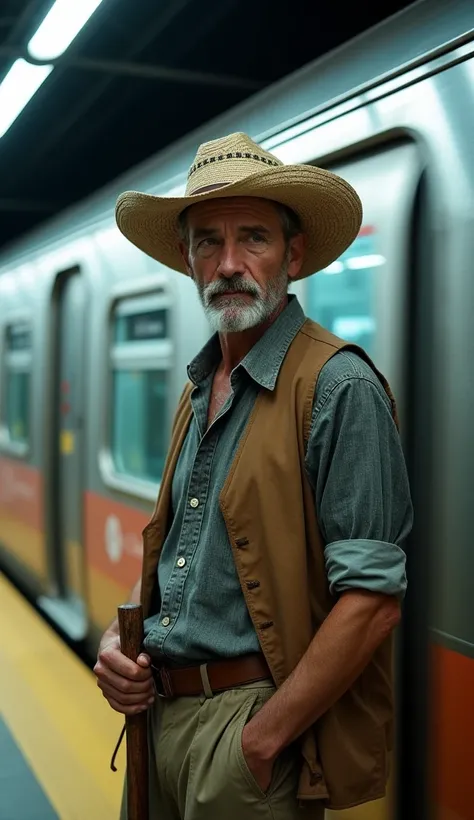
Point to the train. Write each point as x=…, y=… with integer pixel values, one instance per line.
x=95, y=338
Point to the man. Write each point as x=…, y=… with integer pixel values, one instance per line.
x=273, y=566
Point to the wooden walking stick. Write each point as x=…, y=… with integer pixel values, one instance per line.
x=130, y=618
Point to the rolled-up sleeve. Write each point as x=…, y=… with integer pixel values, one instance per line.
x=356, y=466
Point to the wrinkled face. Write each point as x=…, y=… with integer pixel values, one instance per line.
x=241, y=263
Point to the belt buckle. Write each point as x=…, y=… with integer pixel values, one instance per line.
x=163, y=676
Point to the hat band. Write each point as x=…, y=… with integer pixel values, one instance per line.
x=206, y=188
x=231, y=155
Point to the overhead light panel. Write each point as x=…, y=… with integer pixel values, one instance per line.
x=60, y=26
x=17, y=89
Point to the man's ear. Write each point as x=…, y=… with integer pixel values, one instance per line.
x=296, y=254
x=184, y=251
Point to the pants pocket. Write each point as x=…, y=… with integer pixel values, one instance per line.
x=250, y=708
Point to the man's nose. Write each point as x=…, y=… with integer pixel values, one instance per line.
x=231, y=260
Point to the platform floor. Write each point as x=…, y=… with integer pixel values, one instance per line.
x=57, y=733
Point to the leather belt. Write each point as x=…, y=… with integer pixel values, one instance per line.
x=209, y=678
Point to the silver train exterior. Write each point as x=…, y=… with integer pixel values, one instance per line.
x=95, y=338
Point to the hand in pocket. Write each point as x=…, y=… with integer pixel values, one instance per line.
x=260, y=768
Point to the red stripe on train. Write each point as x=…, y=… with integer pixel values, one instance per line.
x=453, y=736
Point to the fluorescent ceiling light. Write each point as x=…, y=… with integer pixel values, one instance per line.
x=60, y=26
x=17, y=89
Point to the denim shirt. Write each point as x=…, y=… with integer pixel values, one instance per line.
x=354, y=462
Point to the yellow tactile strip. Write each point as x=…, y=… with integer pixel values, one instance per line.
x=57, y=715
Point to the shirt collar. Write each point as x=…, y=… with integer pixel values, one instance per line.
x=264, y=360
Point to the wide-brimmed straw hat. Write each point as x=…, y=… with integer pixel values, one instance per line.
x=329, y=209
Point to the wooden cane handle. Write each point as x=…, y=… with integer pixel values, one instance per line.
x=130, y=618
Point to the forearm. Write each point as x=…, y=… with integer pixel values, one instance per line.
x=345, y=643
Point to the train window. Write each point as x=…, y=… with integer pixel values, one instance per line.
x=138, y=437
x=140, y=359
x=362, y=296
x=149, y=324
x=341, y=299
x=17, y=379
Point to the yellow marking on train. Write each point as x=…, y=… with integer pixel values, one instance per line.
x=67, y=442
x=57, y=715
x=105, y=594
x=24, y=542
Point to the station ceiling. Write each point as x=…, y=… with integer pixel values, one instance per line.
x=141, y=74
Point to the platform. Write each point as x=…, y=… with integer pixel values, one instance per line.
x=57, y=733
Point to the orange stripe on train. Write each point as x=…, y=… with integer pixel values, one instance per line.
x=21, y=492
x=113, y=538
x=453, y=718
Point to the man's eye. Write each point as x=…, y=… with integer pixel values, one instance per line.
x=257, y=237
x=210, y=240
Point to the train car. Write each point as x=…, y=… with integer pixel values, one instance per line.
x=95, y=338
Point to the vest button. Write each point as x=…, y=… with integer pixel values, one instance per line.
x=181, y=562
x=194, y=502
x=166, y=621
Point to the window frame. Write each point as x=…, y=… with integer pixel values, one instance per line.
x=144, y=355
x=23, y=363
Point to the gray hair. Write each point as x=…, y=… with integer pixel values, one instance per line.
x=290, y=222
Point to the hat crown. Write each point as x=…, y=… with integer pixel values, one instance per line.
x=229, y=159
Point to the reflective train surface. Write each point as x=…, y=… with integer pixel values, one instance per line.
x=95, y=338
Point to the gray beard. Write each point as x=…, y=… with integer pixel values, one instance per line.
x=237, y=314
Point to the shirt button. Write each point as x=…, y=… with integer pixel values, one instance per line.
x=194, y=502
x=165, y=621
x=181, y=562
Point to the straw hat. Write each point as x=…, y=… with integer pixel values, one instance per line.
x=328, y=207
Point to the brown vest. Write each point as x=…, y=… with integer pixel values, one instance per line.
x=269, y=511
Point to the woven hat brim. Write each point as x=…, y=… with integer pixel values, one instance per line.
x=329, y=209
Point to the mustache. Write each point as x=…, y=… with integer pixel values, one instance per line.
x=237, y=285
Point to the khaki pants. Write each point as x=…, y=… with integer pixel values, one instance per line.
x=197, y=768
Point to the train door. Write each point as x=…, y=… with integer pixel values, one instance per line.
x=66, y=601
x=366, y=297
